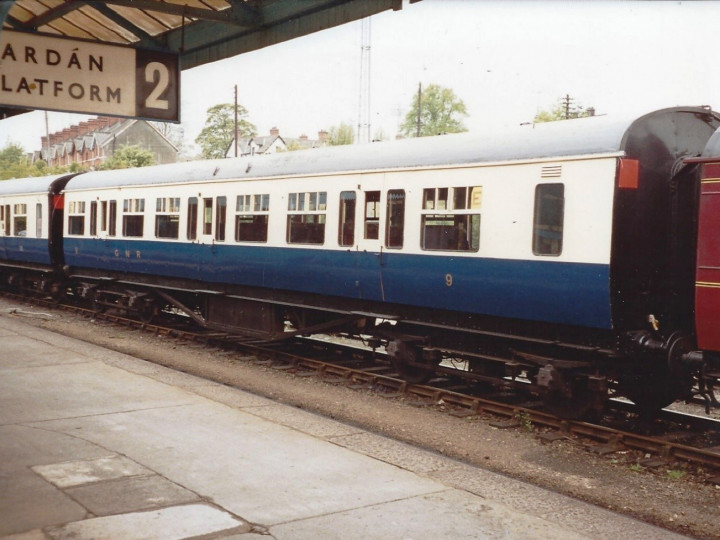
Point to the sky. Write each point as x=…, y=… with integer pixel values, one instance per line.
x=506, y=60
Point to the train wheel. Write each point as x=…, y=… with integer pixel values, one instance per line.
x=148, y=312
x=584, y=402
x=410, y=363
x=651, y=392
x=95, y=300
x=570, y=408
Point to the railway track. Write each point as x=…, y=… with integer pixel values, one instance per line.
x=684, y=437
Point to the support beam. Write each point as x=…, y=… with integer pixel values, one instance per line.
x=282, y=21
x=54, y=13
x=4, y=10
x=146, y=40
x=236, y=14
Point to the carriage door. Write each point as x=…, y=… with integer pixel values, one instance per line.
x=213, y=225
x=5, y=220
x=206, y=223
x=382, y=232
x=707, y=283
x=4, y=212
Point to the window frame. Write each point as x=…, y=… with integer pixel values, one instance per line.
x=371, y=215
x=220, y=218
x=133, y=217
x=346, y=218
x=455, y=213
x=167, y=218
x=191, y=232
x=306, y=213
x=76, y=218
x=395, y=209
x=19, y=216
x=38, y=220
x=112, y=218
x=253, y=210
x=540, y=212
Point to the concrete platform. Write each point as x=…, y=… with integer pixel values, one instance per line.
x=95, y=444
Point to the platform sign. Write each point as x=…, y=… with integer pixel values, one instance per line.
x=40, y=72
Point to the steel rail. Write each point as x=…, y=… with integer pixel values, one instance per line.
x=462, y=404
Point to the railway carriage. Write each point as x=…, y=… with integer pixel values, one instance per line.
x=563, y=252
x=27, y=211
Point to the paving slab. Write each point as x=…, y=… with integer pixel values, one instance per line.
x=173, y=523
x=130, y=495
x=85, y=471
x=451, y=514
x=255, y=468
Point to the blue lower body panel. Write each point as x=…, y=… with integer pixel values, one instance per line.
x=549, y=291
x=24, y=250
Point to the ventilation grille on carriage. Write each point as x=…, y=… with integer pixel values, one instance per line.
x=551, y=171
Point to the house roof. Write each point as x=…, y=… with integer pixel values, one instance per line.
x=67, y=142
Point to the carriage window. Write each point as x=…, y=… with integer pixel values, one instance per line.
x=450, y=220
x=207, y=216
x=20, y=220
x=167, y=217
x=103, y=216
x=76, y=218
x=4, y=210
x=221, y=220
x=346, y=234
x=112, y=218
x=306, y=218
x=395, y=225
x=251, y=218
x=93, y=218
x=549, y=218
x=372, y=215
x=192, y=218
x=38, y=220
x=133, y=217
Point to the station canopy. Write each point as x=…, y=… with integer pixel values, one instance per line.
x=198, y=31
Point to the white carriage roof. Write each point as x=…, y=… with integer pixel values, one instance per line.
x=39, y=184
x=579, y=137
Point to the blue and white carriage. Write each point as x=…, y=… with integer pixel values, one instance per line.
x=537, y=247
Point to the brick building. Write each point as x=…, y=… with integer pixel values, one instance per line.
x=93, y=142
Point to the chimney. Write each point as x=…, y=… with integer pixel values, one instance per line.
x=322, y=135
x=274, y=131
x=303, y=137
x=591, y=111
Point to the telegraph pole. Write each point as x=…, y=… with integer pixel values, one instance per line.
x=419, y=103
x=364, y=125
x=566, y=103
x=235, y=138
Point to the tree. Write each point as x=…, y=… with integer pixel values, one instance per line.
x=441, y=111
x=342, y=134
x=564, y=109
x=129, y=156
x=216, y=136
x=13, y=163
